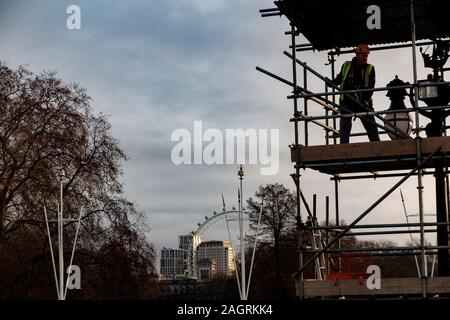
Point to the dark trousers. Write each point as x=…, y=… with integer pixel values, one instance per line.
x=368, y=123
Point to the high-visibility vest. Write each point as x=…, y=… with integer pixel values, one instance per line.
x=346, y=69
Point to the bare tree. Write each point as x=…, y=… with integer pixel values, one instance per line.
x=277, y=218
x=45, y=126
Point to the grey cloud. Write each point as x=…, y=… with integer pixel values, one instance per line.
x=155, y=66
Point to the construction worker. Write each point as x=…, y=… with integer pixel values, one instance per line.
x=357, y=74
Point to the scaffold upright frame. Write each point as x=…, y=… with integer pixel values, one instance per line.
x=427, y=152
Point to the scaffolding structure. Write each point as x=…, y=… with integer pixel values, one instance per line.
x=405, y=158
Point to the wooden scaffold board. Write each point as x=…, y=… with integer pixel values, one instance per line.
x=358, y=287
x=370, y=156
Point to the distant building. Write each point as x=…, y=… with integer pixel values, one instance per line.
x=173, y=262
x=220, y=252
x=190, y=242
x=185, y=240
x=206, y=261
x=206, y=269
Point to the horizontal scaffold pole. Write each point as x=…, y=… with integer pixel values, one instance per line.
x=269, y=10
x=373, y=206
x=384, y=47
x=335, y=93
x=338, y=52
x=375, y=226
x=381, y=249
x=382, y=233
x=377, y=175
x=382, y=254
x=369, y=113
x=302, y=45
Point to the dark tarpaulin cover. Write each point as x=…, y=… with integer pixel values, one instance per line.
x=329, y=24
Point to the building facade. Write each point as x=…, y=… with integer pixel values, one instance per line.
x=206, y=269
x=221, y=253
x=190, y=243
x=184, y=241
x=173, y=262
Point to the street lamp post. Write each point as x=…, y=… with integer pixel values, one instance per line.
x=241, y=229
x=61, y=289
x=61, y=175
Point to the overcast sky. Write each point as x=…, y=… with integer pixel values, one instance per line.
x=155, y=66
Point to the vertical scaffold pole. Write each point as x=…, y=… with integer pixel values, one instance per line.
x=327, y=122
x=336, y=182
x=419, y=154
x=336, y=199
x=297, y=164
x=333, y=75
x=441, y=216
x=305, y=103
x=448, y=192
x=327, y=224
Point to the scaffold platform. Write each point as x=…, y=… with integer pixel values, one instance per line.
x=411, y=155
x=388, y=286
x=371, y=156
